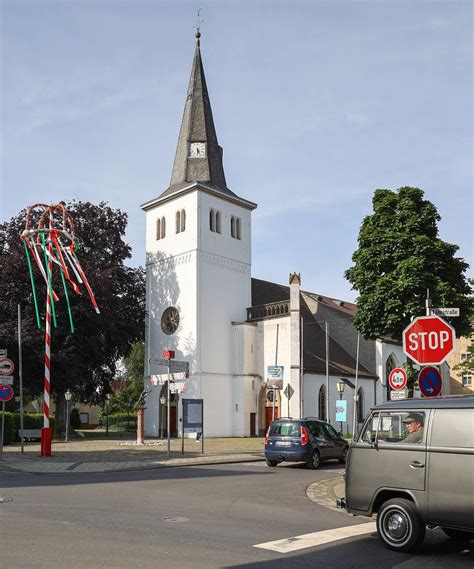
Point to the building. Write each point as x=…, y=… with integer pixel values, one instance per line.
x=461, y=382
x=203, y=303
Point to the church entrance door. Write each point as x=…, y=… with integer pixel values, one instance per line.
x=268, y=416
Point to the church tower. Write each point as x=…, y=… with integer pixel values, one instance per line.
x=198, y=260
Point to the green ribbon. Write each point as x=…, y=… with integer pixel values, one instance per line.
x=38, y=321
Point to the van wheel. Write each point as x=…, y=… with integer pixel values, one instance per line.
x=314, y=462
x=400, y=526
x=271, y=462
x=458, y=535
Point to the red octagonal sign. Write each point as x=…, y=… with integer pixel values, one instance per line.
x=428, y=340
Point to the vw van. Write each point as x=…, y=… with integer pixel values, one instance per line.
x=413, y=465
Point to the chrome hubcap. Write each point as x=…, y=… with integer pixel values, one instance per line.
x=396, y=526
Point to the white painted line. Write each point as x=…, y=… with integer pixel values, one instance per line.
x=317, y=538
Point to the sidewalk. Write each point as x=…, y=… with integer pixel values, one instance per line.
x=118, y=454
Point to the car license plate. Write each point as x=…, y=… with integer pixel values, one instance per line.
x=283, y=443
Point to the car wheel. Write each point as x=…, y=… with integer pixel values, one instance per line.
x=342, y=460
x=271, y=462
x=315, y=461
x=400, y=526
x=458, y=534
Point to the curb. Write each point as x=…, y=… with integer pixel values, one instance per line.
x=115, y=466
x=324, y=493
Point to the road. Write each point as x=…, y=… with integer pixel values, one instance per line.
x=191, y=517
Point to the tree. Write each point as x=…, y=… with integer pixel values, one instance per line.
x=84, y=361
x=399, y=257
x=128, y=384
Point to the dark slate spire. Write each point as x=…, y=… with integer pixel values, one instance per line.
x=198, y=155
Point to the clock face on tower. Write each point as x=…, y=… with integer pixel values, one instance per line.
x=197, y=149
x=170, y=320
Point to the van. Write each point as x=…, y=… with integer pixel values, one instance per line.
x=413, y=465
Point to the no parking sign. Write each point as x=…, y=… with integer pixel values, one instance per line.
x=430, y=382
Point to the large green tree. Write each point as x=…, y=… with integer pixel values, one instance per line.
x=84, y=361
x=399, y=257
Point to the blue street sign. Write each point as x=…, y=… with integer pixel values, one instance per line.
x=6, y=393
x=430, y=382
x=341, y=410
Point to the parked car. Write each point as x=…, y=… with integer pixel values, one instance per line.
x=413, y=465
x=303, y=440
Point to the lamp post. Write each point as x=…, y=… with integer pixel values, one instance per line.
x=129, y=403
x=68, y=396
x=163, y=403
x=107, y=399
x=340, y=387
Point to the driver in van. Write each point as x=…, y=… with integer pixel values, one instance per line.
x=414, y=423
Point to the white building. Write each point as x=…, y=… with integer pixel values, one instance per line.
x=203, y=303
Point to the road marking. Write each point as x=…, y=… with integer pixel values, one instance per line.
x=317, y=538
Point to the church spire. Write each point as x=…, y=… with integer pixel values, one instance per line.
x=198, y=155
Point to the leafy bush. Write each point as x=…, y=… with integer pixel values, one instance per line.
x=119, y=421
x=30, y=421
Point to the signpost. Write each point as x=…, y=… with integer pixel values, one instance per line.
x=430, y=382
x=6, y=379
x=6, y=393
x=396, y=395
x=397, y=378
x=450, y=312
x=341, y=411
x=428, y=340
x=289, y=394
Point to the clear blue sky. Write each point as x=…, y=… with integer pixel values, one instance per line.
x=316, y=105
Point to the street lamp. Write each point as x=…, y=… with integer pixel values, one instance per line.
x=68, y=396
x=107, y=399
x=340, y=387
x=162, y=416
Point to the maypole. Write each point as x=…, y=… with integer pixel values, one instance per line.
x=58, y=247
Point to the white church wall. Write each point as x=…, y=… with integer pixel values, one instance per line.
x=383, y=351
x=312, y=383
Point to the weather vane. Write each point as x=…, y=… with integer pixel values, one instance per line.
x=199, y=23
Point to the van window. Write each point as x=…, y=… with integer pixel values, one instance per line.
x=395, y=427
x=453, y=428
x=285, y=429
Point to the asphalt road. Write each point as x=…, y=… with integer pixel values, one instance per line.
x=189, y=517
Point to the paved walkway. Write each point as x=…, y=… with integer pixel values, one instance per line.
x=118, y=454
x=326, y=492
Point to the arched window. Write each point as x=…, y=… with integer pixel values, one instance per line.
x=390, y=364
x=322, y=403
x=218, y=221
x=183, y=220
x=360, y=405
x=232, y=226
x=158, y=229
x=178, y=221
x=163, y=228
x=237, y=227
x=212, y=220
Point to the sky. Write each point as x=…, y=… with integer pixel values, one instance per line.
x=316, y=104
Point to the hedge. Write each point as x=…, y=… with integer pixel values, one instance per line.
x=30, y=421
x=119, y=421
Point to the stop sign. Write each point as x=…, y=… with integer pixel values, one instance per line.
x=428, y=340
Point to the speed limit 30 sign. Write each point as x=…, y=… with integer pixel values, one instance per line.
x=397, y=378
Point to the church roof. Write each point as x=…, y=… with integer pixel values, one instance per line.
x=203, y=169
x=314, y=337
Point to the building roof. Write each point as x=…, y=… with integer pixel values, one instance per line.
x=314, y=337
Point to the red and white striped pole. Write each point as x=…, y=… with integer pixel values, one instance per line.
x=46, y=431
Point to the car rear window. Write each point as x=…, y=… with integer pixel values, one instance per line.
x=285, y=429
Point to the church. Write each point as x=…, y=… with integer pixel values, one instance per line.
x=256, y=349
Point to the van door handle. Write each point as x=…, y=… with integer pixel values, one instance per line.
x=416, y=464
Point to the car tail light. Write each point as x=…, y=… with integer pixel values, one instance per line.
x=266, y=436
x=304, y=436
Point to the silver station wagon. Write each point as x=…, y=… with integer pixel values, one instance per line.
x=413, y=465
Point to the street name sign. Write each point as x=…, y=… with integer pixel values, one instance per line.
x=397, y=378
x=6, y=366
x=428, y=340
x=445, y=312
x=398, y=394
x=430, y=382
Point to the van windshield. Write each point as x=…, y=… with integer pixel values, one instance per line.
x=285, y=429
